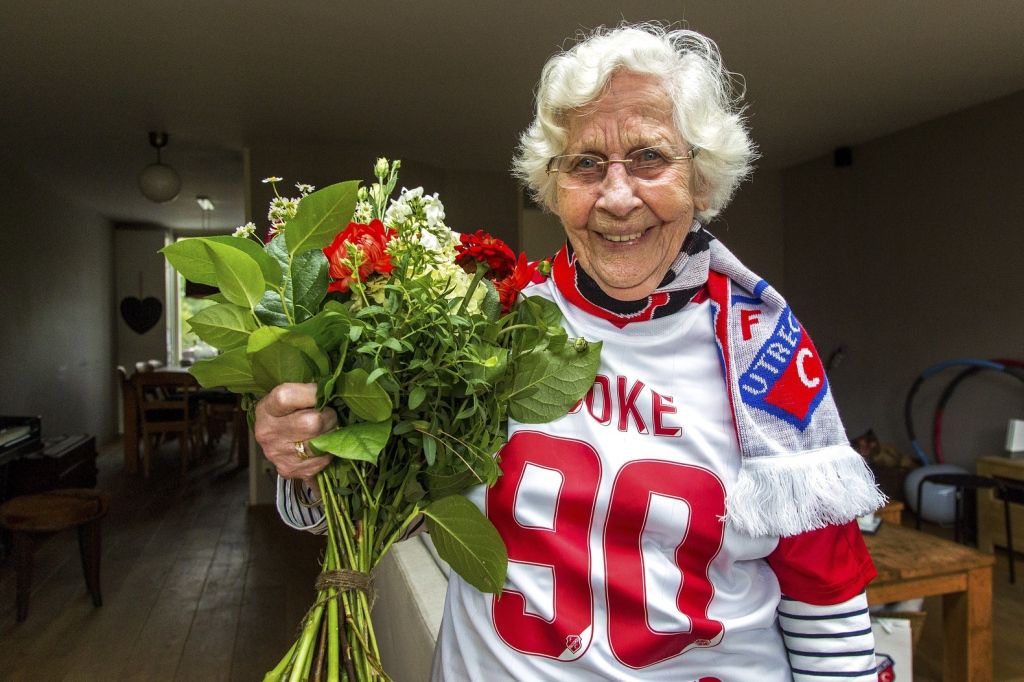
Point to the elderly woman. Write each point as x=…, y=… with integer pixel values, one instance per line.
x=693, y=517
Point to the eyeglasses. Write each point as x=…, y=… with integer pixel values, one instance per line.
x=586, y=170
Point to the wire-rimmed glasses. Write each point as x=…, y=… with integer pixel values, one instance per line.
x=587, y=170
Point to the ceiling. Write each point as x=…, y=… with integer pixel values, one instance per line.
x=447, y=82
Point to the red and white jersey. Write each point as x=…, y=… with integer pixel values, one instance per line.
x=620, y=566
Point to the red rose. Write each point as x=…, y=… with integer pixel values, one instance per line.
x=372, y=242
x=481, y=247
x=509, y=287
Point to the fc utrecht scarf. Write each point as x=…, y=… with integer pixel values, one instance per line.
x=799, y=472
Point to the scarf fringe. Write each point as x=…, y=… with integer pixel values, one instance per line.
x=789, y=494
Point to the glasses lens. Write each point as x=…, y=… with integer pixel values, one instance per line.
x=650, y=163
x=578, y=170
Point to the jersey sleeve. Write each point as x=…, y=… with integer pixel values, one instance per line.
x=824, y=566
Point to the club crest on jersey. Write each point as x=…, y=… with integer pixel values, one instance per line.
x=785, y=377
x=573, y=643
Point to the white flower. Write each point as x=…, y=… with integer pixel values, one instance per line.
x=410, y=194
x=270, y=180
x=304, y=189
x=428, y=241
x=398, y=212
x=380, y=169
x=433, y=209
x=282, y=209
x=447, y=275
x=244, y=231
x=363, y=213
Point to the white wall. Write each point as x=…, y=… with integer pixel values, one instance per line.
x=752, y=226
x=140, y=273
x=56, y=311
x=912, y=256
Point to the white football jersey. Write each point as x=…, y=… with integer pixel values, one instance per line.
x=620, y=566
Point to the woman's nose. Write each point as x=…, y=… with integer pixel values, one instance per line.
x=617, y=191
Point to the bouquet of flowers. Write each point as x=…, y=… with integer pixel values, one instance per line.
x=417, y=337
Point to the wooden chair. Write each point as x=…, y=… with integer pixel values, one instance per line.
x=222, y=414
x=166, y=407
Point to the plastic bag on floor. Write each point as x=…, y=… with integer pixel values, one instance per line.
x=893, y=649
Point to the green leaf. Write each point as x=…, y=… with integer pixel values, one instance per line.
x=230, y=369
x=429, y=449
x=320, y=216
x=468, y=542
x=191, y=258
x=357, y=441
x=542, y=314
x=441, y=485
x=367, y=401
x=328, y=328
x=492, y=365
x=325, y=388
x=274, y=361
x=416, y=396
x=308, y=346
x=305, y=285
x=223, y=326
x=491, y=305
x=547, y=384
x=238, y=274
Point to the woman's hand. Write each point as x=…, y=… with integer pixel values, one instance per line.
x=286, y=418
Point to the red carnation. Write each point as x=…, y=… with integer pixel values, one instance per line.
x=372, y=242
x=481, y=247
x=509, y=287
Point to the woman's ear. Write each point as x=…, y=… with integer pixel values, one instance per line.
x=701, y=193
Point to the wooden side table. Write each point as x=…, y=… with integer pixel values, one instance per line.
x=912, y=564
x=32, y=515
x=892, y=513
x=991, y=523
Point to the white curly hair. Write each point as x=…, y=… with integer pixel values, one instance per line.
x=706, y=105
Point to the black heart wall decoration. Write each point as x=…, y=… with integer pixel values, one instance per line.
x=141, y=316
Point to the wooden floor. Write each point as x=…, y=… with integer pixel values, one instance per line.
x=198, y=586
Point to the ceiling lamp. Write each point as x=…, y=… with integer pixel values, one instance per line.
x=159, y=182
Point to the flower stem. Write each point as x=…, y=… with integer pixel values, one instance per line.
x=277, y=673
x=481, y=270
x=305, y=650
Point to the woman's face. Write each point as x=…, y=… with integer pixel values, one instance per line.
x=626, y=232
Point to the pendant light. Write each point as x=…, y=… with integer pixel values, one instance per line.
x=157, y=181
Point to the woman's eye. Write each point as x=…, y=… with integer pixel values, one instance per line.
x=649, y=155
x=586, y=163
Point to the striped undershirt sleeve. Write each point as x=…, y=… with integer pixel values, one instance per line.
x=297, y=506
x=832, y=642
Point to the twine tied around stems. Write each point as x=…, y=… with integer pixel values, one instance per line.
x=343, y=580
x=346, y=580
